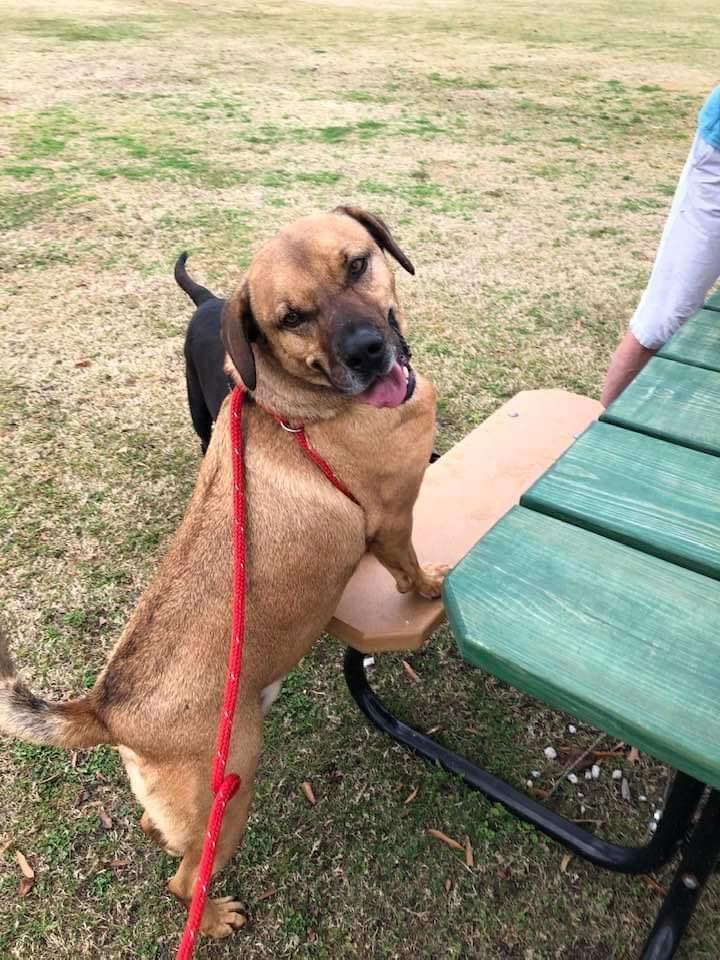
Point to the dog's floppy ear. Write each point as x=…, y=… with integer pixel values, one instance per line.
x=380, y=233
x=238, y=329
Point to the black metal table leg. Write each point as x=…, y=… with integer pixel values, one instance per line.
x=683, y=798
x=701, y=855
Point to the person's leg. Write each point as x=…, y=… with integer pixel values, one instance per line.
x=686, y=265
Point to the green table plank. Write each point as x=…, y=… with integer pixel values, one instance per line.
x=620, y=639
x=713, y=301
x=672, y=401
x=697, y=342
x=656, y=496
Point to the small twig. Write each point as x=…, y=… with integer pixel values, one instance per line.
x=576, y=762
x=54, y=776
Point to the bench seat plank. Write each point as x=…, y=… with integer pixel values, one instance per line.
x=697, y=342
x=620, y=639
x=647, y=493
x=674, y=402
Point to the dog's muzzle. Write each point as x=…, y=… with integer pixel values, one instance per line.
x=381, y=371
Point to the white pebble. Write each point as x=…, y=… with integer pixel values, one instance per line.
x=617, y=774
x=595, y=771
x=535, y=773
x=572, y=728
x=550, y=753
x=572, y=778
x=529, y=783
x=642, y=798
x=588, y=775
x=653, y=827
x=657, y=815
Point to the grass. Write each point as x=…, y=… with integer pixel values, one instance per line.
x=526, y=161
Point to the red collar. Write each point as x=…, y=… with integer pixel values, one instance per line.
x=301, y=439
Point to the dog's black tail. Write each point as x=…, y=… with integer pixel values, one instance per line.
x=197, y=293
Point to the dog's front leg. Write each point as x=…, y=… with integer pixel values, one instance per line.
x=393, y=547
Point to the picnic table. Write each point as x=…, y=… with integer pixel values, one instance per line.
x=598, y=594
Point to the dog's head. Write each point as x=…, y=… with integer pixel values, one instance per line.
x=320, y=299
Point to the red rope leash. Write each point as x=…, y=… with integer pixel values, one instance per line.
x=321, y=464
x=225, y=786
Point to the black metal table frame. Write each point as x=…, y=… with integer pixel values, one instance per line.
x=700, y=842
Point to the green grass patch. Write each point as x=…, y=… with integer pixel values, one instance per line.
x=106, y=30
x=19, y=209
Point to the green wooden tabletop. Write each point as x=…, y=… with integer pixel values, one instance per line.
x=697, y=342
x=599, y=594
x=656, y=496
x=621, y=639
x=672, y=401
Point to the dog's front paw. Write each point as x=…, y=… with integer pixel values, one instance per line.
x=221, y=917
x=430, y=579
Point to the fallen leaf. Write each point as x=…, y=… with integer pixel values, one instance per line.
x=25, y=886
x=539, y=793
x=634, y=755
x=654, y=885
x=469, y=858
x=433, y=730
x=625, y=789
x=565, y=862
x=105, y=820
x=25, y=868
x=308, y=791
x=73, y=760
x=268, y=893
x=448, y=885
x=411, y=796
x=116, y=864
x=410, y=672
x=83, y=363
x=28, y=874
x=3, y=847
x=444, y=838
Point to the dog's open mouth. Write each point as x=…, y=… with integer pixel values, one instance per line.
x=393, y=388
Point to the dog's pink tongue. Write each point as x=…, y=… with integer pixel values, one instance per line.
x=387, y=391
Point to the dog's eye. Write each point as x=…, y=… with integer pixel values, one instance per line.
x=293, y=318
x=357, y=267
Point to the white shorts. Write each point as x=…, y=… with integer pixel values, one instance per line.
x=687, y=263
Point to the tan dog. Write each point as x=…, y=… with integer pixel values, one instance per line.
x=314, y=332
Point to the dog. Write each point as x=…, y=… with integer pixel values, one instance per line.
x=315, y=334
x=206, y=379
x=207, y=382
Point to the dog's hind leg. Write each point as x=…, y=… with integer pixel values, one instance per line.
x=224, y=915
x=199, y=413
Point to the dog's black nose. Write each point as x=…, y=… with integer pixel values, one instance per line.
x=362, y=349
